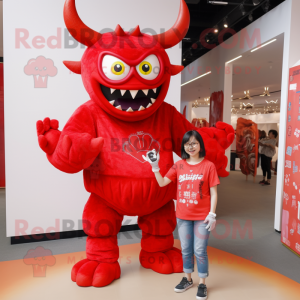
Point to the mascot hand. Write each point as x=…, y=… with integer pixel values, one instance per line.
x=48, y=134
x=153, y=158
x=80, y=149
x=211, y=220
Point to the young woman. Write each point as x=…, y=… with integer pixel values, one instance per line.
x=197, y=182
x=267, y=151
x=262, y=135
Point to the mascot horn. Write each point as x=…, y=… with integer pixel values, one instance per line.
x=127, y=76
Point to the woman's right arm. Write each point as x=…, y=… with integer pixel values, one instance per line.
x=152, y=157
x=162, y=181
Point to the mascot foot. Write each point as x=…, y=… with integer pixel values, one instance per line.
x=93, y=273
x=162, y=262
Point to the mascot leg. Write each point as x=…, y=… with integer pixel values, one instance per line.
x=157, y=241
x=102, y=224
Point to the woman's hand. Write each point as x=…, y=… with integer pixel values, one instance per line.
x=211, y=220
x=152, y=158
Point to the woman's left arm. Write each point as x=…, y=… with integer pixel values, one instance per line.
x=213, y=199
x=211, y=217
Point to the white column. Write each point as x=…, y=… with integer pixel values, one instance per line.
x=227, y=103
x=291, y=55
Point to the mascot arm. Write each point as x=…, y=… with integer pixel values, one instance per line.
x=216, y=139
x=76, y=147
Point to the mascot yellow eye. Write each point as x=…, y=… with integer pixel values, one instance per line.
x=149, y=68
x=118, y=68
x=114, y=68
x=145, y=68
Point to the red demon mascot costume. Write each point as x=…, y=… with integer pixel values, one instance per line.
x=127, y=76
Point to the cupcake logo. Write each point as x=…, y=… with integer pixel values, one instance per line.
x=39, y=258
x=40, y=68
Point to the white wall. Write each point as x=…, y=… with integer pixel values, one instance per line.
x=258, y=119
x=201, y=112
x=283, y=19
x=35, y=191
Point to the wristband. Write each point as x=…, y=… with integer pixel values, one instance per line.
x=155, y=169
x=213, y=214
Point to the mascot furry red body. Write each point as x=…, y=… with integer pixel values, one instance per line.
x=127, y=76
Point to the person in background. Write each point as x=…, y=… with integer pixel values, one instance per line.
x=262, y=135
x=275, y=171
x=197, y=181
x=267, y=151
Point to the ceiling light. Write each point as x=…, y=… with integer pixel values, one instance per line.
x=233, y=59
x=266, y=6
x=247, y=95
x=195, y=104
x=250, y=18
x=242, y=9
x=196, y=78
x=266, y=92
x=272, y=101
x=256, y=2
x=263, y=45
x=225, y=23
x=248, y=106
x=216, y=30
x=217, y=2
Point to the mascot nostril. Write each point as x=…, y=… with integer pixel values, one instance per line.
x=110, y=137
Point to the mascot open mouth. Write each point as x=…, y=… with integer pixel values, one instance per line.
x=130, y=100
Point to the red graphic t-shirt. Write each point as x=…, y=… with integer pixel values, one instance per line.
x=193, y=188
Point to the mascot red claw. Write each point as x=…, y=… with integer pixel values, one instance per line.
x=127, y=76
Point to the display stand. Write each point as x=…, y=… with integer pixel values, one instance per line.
x=247, y=146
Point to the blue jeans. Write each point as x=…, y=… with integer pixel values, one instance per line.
x=194, y=238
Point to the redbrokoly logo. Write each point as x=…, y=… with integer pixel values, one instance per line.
x=139, y=144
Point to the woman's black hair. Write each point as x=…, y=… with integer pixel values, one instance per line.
x=263, y=134
x=274, y=132
x=186, y=138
